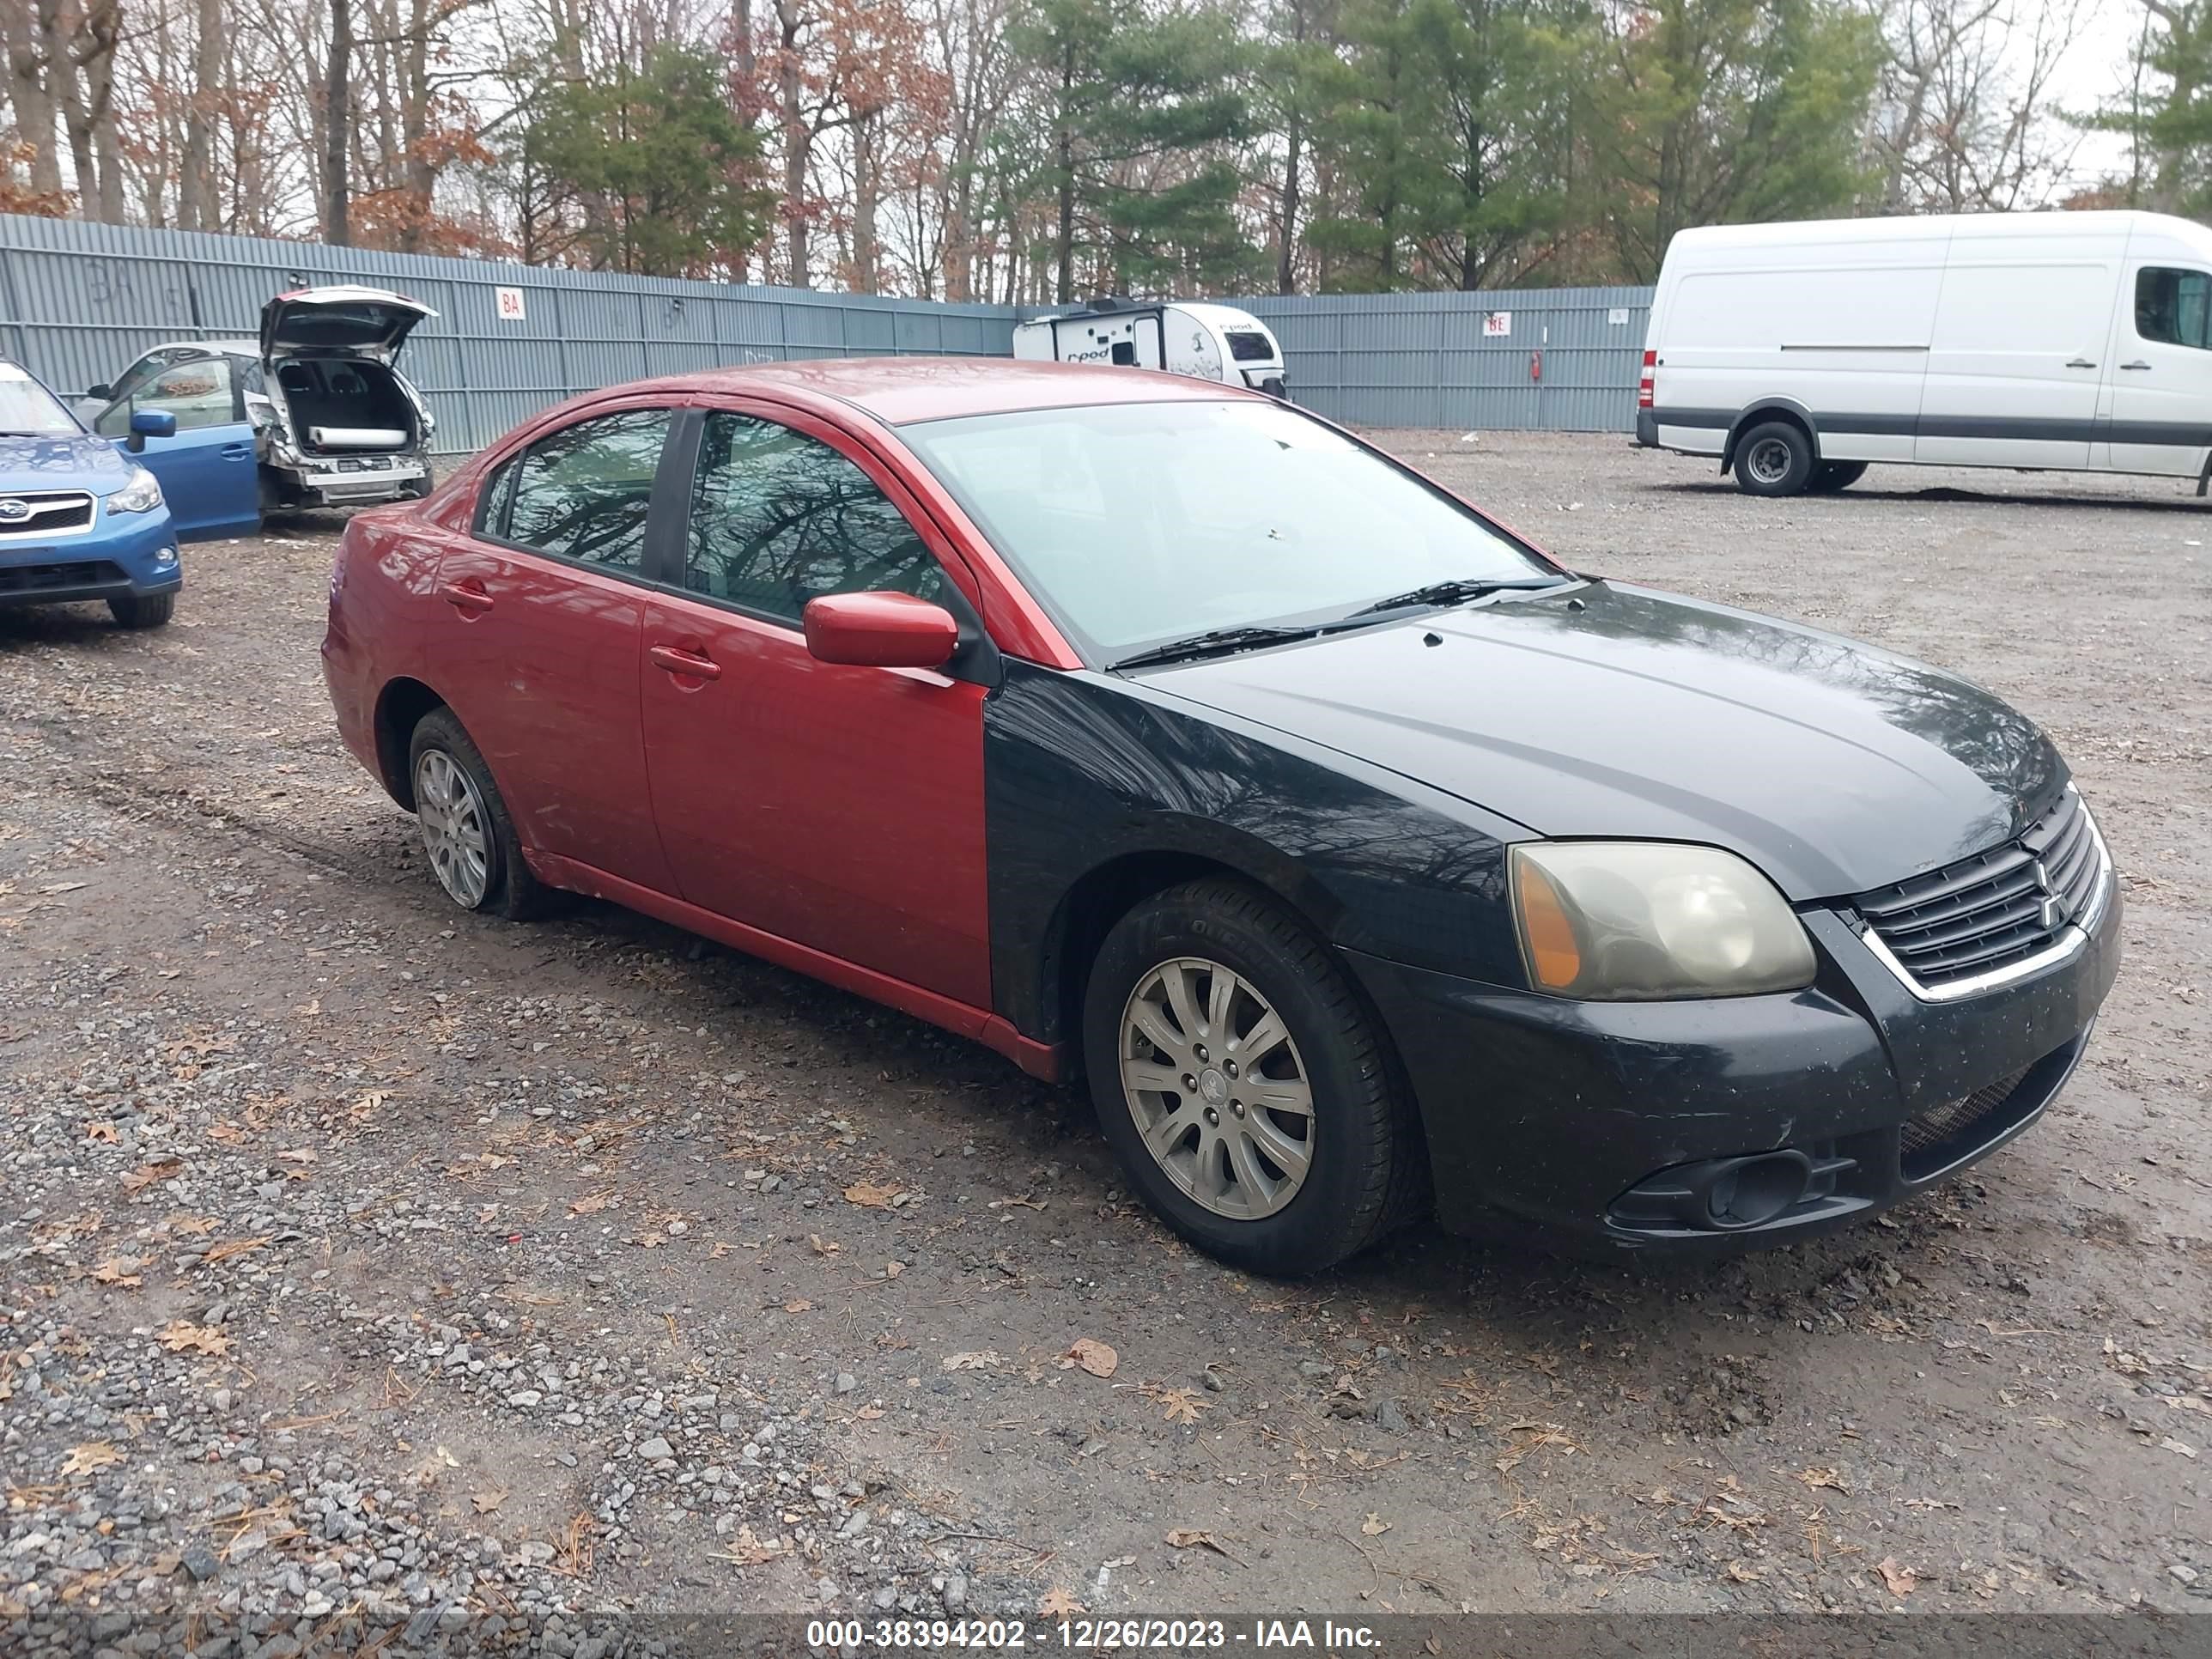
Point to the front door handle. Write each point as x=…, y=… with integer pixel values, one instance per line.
x=238, y=451
x=687, y=663
x=463, y=596
x=2080, y=363
x=2138, y=363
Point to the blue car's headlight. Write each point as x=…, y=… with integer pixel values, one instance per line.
x=141, y=493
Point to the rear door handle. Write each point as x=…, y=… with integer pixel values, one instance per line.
x=686, y=663
x=2138, y=363
x=462, y=597
x=2080, y=363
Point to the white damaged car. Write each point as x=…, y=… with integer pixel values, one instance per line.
x=316, y=401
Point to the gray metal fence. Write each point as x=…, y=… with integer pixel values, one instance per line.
x=79, y=302
x=1548, y=360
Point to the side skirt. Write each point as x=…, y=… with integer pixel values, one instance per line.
x=1039, y=1060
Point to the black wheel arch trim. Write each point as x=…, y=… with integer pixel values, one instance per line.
x=1749, y=416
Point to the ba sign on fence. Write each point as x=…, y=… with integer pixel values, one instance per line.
x=1497, y=324
x=510, y=304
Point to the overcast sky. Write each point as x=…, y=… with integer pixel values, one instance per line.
x=2095, y=69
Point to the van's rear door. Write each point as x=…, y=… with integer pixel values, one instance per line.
x=2018, y=355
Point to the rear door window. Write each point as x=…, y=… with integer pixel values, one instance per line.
x=584, y=493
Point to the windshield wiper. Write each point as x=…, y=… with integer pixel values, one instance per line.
x=1218, y=642
x=1457, y=590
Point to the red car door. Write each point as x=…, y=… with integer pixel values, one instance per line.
x=537, y=652
x=840, y=808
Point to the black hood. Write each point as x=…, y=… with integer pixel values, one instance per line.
x=1834, y=767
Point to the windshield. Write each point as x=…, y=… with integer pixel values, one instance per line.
x=28, y=410
x=1136, y=524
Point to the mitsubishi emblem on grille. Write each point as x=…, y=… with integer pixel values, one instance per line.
x=2053, y=912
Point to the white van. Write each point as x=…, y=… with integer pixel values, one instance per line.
x=1800, y=353
x=1210, y=342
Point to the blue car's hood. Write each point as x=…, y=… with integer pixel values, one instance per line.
x=75, y=461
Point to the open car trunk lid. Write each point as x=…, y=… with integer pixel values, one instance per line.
x=374, y=322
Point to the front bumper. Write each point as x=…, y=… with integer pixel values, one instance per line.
x=1597, y=1127
x=129, y=556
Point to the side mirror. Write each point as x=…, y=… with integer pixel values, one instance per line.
x=104, y=393
x=150, y=423
x=880, y=630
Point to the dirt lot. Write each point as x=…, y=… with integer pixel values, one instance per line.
x=365, y=1263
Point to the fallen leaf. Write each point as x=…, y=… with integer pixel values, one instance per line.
x=146, y=1174
x=747, y=1551
x=799, y=1304
x=122, y=1270
x=1373, y=1526
x=195, y=1226
x=1899, y=1578
x=1181, y=1406
x=1094, y=1356
x=298, y=1155
x=231, y=1247
x=1828, y=1478
x=1057, y=1603
x=1742, y=1573
x=893, y=1269
x=181, y=1335
x=969, y=1362
x=91, y=1456
x=101, y=1132
x=869, y=1413
x=2173, y=1445
x=822, y=1246
x=448, y=1459
x=590, y=1204
x=229, y=1133
x=1189, y=1537
x=869, y=1195
x=487, y=1502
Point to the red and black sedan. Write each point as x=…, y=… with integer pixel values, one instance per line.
x=1355, y=856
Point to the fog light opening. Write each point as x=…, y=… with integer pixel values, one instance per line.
x=1754, y=1191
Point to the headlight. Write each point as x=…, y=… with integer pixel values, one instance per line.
x=141, y=493
x=1629, y=921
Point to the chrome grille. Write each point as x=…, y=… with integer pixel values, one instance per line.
x=44, y=514
x=1959, y=927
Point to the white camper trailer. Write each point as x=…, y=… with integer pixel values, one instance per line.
x=1207, y=342
x=1798, y=353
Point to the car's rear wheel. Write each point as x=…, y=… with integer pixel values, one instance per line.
x=1832, y=475
x=1243, y=1084
x=1774, y=459
x=467, y=836
x=142, y=610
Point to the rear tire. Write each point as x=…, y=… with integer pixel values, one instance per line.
x=142, y=610
x=1231, y=1140
x=1832, y=475
x=1776, y=458
x=467, y=836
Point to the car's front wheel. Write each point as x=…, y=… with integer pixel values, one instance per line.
x=1243, y=1084
x=143, y=610
x=467, y=836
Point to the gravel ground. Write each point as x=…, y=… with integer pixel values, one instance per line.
x=371, y=1270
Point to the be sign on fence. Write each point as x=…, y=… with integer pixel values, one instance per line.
x=510, y=304
x=1497, y=324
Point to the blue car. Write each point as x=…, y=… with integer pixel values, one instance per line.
x=86, y=517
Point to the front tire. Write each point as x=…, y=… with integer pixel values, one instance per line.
x=142, y=610
x=1244, y=1085
x=1776, y=458
x=467, y=836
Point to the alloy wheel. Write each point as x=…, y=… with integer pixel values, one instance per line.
x=456, y=828
x=1218, y=1089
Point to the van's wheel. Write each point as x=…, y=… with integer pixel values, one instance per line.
x=467, y=834
x=142, y=610
x=1774, y=459
x=1244, y=1085
x=1831, y=476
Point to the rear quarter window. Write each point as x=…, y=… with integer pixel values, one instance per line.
x=1247, y=347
